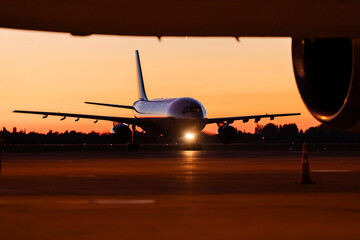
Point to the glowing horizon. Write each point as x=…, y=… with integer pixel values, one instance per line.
x=57, y=72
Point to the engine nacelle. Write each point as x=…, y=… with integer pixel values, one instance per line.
x=122, y=132
x=227, y=134
x=327, y=73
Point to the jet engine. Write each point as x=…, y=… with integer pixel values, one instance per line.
x=227, y=134
x=327, y=73
x=122, y=132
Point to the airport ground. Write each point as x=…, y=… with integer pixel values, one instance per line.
x=179, y=194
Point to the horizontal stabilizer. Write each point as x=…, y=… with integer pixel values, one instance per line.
x=111, y=105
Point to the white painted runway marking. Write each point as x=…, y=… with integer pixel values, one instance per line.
x=81, y=176
x=330, y=171
x=124, y=201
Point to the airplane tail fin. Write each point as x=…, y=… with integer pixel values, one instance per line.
x=141, y=87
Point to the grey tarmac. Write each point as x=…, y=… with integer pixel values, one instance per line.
x=179, y=195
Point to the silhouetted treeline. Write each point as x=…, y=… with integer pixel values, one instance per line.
x=291, y=133
x=268, y=133
x=72, y=137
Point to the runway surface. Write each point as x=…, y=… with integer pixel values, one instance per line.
x=179, y=195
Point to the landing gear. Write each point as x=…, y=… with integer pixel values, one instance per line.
x=134, y=147
x=133, y=144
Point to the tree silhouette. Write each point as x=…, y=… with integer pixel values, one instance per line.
x=268, y=133
x=289, y=132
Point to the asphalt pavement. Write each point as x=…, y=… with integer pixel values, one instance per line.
x=179, y=195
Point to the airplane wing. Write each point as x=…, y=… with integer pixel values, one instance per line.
x=78, y=116
x=257, y=118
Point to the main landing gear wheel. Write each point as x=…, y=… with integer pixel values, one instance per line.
x=134, y=146
x=131, y=147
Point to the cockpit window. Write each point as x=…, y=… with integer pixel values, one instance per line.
x=192, y=109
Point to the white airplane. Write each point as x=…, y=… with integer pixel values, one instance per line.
x=178, y=117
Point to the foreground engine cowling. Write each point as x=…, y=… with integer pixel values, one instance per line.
x=227, y=134
x=327, y=73
x=122, y=132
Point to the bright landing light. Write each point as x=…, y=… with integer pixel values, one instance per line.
x=189, y=136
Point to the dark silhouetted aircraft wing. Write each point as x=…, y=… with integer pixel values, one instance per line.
x=300, y=18
x=257, y=118
x=96, y=117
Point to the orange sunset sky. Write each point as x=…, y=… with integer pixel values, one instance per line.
x=58, y=72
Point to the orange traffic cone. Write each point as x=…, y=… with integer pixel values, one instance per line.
x=305, y=170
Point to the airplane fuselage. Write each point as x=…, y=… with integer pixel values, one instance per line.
x=172, y=116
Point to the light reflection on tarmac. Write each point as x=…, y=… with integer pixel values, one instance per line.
x=179, y=195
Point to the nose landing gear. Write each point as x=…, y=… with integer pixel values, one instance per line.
x=133, y=144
